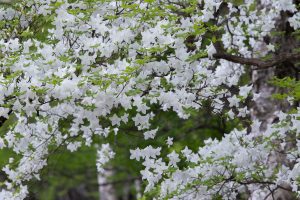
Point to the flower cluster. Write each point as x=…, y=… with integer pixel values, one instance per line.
x=67, y=66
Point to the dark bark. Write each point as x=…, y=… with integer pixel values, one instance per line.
x=260, y=63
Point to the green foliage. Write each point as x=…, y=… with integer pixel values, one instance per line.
x=290, y=88
x=66, y=170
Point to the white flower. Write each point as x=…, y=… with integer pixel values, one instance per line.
x=105, y=154
x=211, y=50
x=295, y=21
x=271, y=47
x=245, y=90
x=169, y=141
x=115, y=120
x=150, y=134
x=73, y=146
x=4, y=112
x=285, y=5
x=174, y=158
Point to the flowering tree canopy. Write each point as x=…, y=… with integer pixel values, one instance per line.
x=72, y=71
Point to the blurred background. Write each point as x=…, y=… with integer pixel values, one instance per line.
x=73, y=176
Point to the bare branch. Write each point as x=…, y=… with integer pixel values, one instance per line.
x=259, y=62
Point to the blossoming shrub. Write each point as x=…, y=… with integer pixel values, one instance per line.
x=75, y=70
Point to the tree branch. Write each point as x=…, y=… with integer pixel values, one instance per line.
x=259, y=62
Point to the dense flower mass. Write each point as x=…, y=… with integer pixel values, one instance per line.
x=67, y=67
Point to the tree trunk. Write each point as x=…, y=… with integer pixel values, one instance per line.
x=265, y=107
x=264, y=110
x=106, y=191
